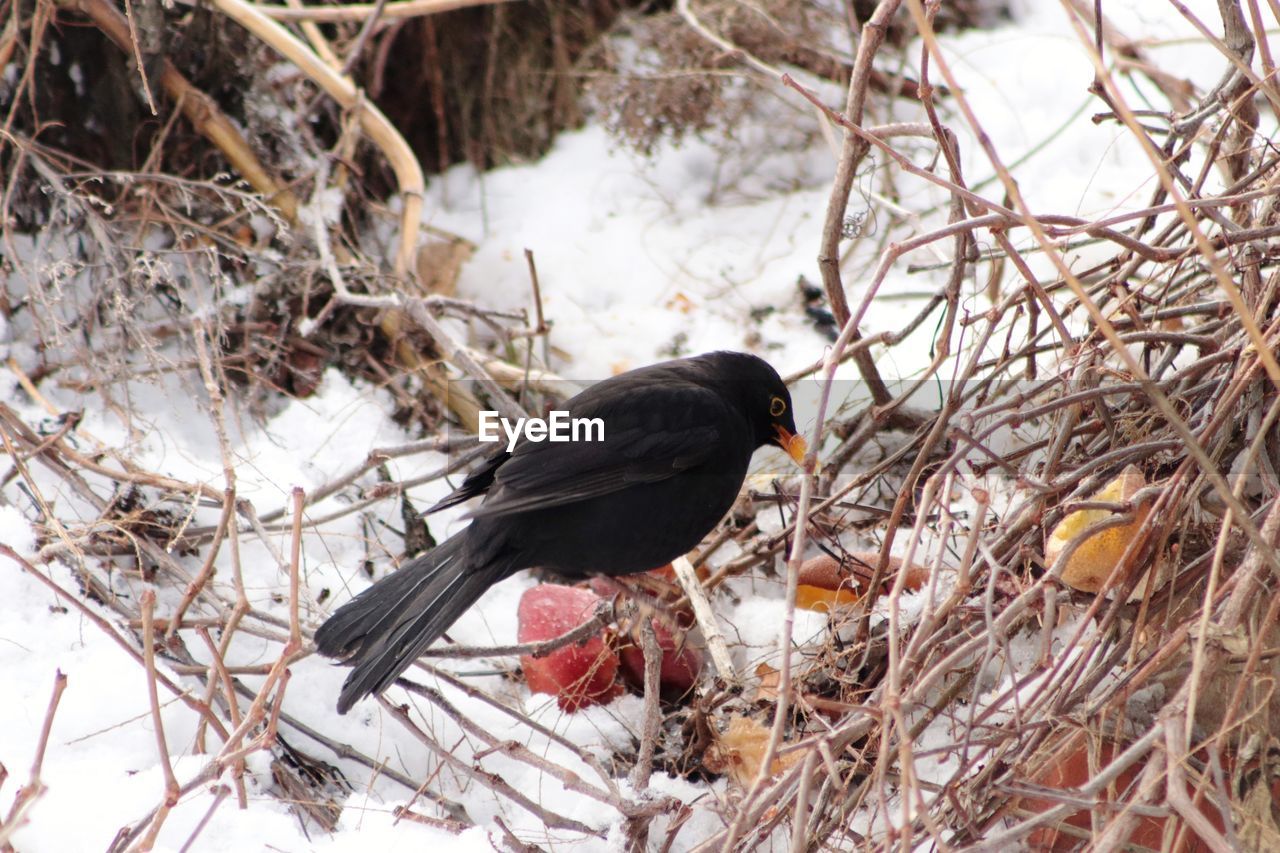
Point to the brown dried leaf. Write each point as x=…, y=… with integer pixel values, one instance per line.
x=739, y=750
x=440, y=262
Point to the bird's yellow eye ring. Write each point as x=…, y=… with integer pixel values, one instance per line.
x=777, y=406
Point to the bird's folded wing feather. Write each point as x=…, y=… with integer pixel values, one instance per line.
x=476, y=483
x=654, y=433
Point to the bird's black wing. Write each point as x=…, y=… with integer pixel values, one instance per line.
x=652, y=431
x=478, y=482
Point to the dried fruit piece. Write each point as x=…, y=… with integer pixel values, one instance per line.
x=681, y=662
x=1092, y=562
x=826, y=583
x=580, y=674
x=1069, y=768
x=809, y=597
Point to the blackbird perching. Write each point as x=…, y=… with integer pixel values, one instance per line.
x=678, y=437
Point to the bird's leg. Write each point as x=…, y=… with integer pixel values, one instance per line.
x=647, y=604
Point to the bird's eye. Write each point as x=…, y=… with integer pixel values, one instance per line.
x=777, y=406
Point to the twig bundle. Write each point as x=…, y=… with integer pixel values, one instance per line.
x=995, y=705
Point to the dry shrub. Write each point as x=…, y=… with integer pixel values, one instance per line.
x=489, y=85
x=659, y=78
x=665, y=80
x=675, y=84
x=1159, y=355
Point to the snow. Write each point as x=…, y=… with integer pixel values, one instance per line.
x=639, y=260
x=637, y=266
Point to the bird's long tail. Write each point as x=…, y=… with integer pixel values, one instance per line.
x=386, y=627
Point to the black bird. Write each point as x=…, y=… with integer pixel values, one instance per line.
x=678, y=437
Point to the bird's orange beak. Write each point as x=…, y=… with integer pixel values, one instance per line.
x=793, y=444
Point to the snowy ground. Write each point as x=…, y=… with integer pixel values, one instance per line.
x=635, y=265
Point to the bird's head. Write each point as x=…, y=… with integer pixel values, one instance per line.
x=782, y=424
x=764, y=399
